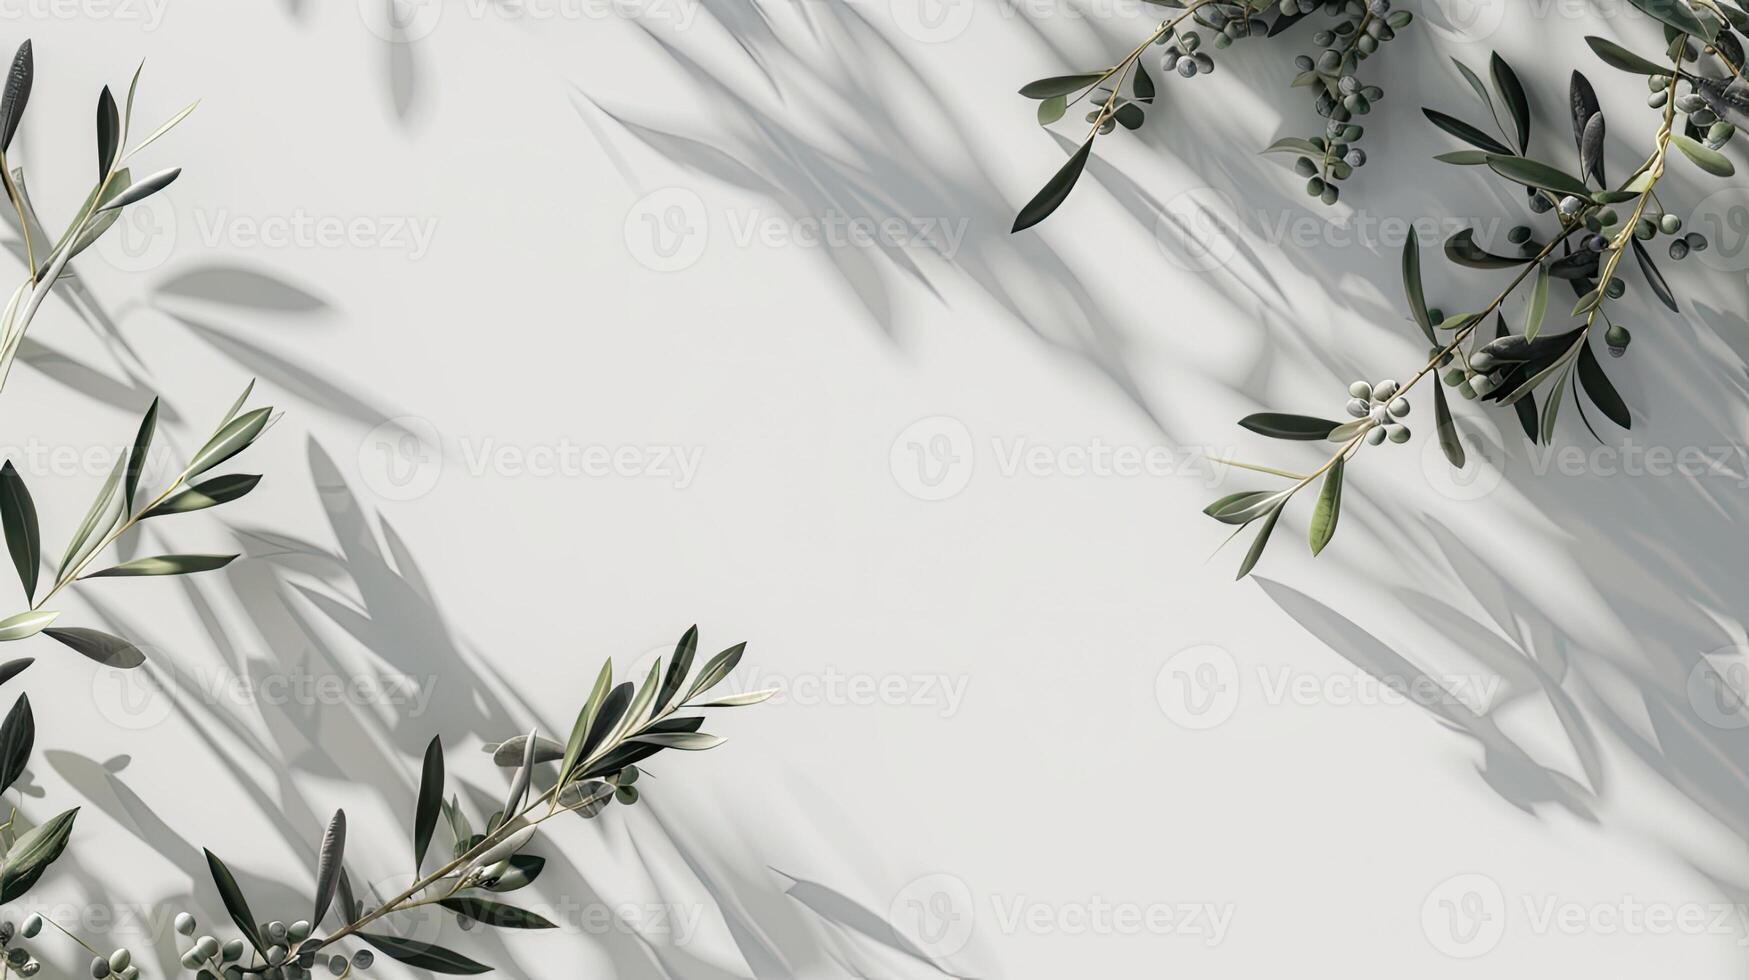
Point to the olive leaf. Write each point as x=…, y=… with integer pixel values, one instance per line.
x=165, y=565
x=424, y=956
x=235, y=903
x=32, y=853
x=23, y=540
x=430, y=802
x=1512, y=94
x=329, y=862
x=17, y=736
x=1535, y=173
x=1055, y=191
x=108, y=650
x=108, y=132
x=17, y=94
x=207, y=493
x=1601, y=390
x=1466, y=132
x=1258, y=543
x=1617, y=56
x=1413, y=290
x=1449, y=443
x=24, y=625
x=495, y=913
x=1704, y=157
x=1280, y=425
x=1328, y=509
x=142, y=447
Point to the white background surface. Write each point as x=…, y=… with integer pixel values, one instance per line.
x=1064, y=773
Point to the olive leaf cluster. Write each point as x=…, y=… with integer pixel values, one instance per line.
x=118, y=507
x=1580, y=228
x=619, y=728
x=1353, y=31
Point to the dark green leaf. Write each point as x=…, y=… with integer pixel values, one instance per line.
x=524, y=868
x=234, y=437
x=235, y=903
x=142, y=439
x=1617, y=56
x=1466, y=132
x=1280, y=425
x=1601, y=390
x=108, y=132
x=1055, y=191
x=1677, y=15
x=430, y=804
x=18, y=514
x=12, y=668
x=424, y=956
x=1582, y=101
x=1535, y=173
x=1143, y=83
x=17, y=736
x=679, y=665
x=1295, y=145
x=1654, y=277
x=1512, y=94
x=328, y=865
x=1413, y=289
x=111, y=651
x=208, y=493
x=1462, y=249
x=1258, y=543
x=165, y=565
x=1449, y=443
x=1464, y=158
x=495, y=913
x=715, y=669
x=1045, y=88
x=17, y=95
x=32, y=853
x=613, y=709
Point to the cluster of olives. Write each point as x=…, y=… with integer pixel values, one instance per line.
x=1359, y=32
x=214, y=960
x=18, y=959
x=1182, y=55
x=1383, y=406
x=1601, y=223
x=1702, y=119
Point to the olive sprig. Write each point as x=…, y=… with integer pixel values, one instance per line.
x=114, y=190
x=1360, y=27
x=619, y=727
x=1586, y=249
x=118, y=508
